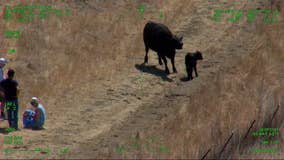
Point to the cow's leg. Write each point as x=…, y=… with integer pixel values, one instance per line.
x=160, y=59
x=166, y=66
x=195, y=70
x=146, y=56
x=173, y=64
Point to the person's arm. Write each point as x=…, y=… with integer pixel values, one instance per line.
x=2, y=93
x=4, y=76
x=18, y=88
x=37, y=114
x=18, y=91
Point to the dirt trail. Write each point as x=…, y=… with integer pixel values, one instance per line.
x=145, y=98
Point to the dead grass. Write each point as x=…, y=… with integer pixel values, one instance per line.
x=230, y=103
x=65, y=60
x=248, y=91
x=65, y=57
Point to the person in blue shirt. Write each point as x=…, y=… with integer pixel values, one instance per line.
x=34, y=119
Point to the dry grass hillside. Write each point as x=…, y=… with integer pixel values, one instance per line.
x=86, y=70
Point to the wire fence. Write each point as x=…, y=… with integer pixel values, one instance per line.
x=241, y=143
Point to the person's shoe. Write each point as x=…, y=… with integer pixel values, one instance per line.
x=37, y=128
x=15, y=128
x=2, y=116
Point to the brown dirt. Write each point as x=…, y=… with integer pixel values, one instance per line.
x=86, y=70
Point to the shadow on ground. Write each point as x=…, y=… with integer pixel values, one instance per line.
x=3, y=131
x=37, y=129
x=153, y=70
x=184, y=79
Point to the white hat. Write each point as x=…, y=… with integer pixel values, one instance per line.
x=34, y=99
x=3, y=61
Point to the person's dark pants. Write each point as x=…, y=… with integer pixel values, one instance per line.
x=12, y=108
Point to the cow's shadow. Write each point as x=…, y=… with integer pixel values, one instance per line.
x=153, y=70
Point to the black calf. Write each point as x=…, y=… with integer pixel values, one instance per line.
x=190, y=63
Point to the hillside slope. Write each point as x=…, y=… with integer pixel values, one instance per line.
x=86, y=69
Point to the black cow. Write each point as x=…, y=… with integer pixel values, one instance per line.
x=159, y=38
x=190, y=63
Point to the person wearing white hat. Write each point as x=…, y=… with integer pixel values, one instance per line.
x=3, y=62
x=37, y=117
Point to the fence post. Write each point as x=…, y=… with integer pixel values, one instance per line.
x=206, y=154
x=225, y=145
x=274, y=114
x=248, y=130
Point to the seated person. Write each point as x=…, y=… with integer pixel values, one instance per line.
x=34, y=118
x=28, y=118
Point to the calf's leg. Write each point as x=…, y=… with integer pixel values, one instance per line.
x=189, y=73
x=195, y=70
